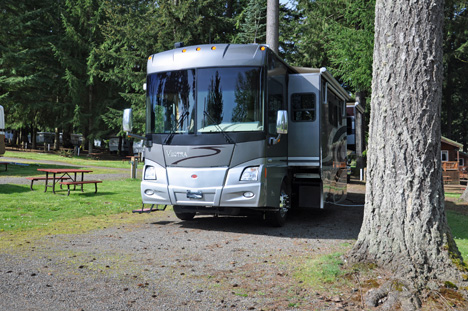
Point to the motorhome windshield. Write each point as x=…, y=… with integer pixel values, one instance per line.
x=205, y=100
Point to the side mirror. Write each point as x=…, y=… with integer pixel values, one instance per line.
x=282, y=122
x=127, y=120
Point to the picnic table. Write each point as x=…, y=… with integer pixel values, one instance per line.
x=55, y=175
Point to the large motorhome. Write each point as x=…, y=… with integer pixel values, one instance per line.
x=232, y=129
x=2, y=131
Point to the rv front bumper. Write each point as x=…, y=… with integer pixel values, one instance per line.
x=245, y=195
x=216, y=187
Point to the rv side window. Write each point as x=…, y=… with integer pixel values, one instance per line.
x=303, y=107
x=335, y=104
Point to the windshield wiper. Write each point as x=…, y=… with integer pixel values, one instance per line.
x=226, y=136
x=168, y=139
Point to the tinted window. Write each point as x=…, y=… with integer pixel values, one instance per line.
x=229, y=99
x=303, y=107
x=205, y=100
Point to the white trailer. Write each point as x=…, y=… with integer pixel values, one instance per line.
x=231, y=129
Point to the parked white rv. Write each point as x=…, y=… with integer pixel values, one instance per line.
x=232, y=129
x=2, y=131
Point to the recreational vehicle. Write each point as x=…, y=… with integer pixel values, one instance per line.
x=2, y=131
x=232, y=129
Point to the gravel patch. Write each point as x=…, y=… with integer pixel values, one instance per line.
x=162, y=263
x=235, y=263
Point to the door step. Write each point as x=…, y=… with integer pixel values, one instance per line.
x=149, y=210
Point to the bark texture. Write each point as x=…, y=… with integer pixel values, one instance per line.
x=272, y=28
x=405, y=226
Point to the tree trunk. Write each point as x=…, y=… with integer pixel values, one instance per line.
x=404, y=226
x=272, y=29
x=90, y=137
x=33, y=137
x=56, y=139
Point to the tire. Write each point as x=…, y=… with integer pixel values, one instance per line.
x=183, y=215
x=278, y=218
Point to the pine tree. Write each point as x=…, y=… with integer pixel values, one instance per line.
x=30, y=82
x=252, y=23
x=405, y=228
x=77, y=53
x=454, y=107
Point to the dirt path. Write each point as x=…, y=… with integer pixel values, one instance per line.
x=166, y=264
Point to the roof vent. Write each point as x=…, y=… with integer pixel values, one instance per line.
x=178, y=45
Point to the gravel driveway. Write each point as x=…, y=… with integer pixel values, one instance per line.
x=162, y=263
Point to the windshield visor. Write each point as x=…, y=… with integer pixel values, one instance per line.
x=224, y=100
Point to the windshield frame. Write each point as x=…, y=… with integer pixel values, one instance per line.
x=191, y=113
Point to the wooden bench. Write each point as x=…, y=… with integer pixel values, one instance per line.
x=33, y=179
x=74, y=183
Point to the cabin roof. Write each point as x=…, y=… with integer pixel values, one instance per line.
x=451, y=142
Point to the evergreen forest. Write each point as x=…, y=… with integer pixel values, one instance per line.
x=72, y=66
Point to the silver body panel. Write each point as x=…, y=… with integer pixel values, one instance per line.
x=333, y=145
x=225, y=55
x=304, y=141
x=216, y=185
x=198, y=156
x=309, y=156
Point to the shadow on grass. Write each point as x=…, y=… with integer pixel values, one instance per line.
x=457, y=223
x=78, y=192
x=10, y=189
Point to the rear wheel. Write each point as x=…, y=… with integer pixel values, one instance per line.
x=278, y=218
x=178, y=211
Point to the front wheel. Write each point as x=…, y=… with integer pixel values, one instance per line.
x=278, y=218
x=183, y=215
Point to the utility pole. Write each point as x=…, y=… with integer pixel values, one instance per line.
x=272, y=31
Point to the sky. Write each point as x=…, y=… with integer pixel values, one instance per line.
x=286, y=2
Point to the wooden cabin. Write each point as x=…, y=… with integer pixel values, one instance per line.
x=450, y=156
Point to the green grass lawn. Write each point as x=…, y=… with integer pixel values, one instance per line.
x=74, y=160
x=458, y=224
x=27, y=164
x=30, y=169
x=23, y=209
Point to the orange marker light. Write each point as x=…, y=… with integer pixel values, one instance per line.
x=150, y=57
x=198, y=49
x=262, y=48
x=213, y=48
x=184, y=50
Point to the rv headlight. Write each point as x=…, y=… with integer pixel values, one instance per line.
x=250, y=174
x=150, y=172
